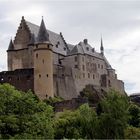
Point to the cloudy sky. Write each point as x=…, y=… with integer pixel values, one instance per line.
x=117, y=20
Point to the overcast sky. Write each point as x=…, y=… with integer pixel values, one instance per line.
x=117, y=21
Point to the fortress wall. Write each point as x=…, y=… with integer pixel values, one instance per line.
x=64, y=85
x=21, y=79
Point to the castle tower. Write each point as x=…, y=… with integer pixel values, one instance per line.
x=10, y=53
x=43, y=65
x=102, y=48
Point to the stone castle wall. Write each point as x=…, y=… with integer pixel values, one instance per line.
x=21, y=79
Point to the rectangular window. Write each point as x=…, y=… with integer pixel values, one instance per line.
x=83, y=59
x=101, y=66
x=75, y=58
x=88, y=75
x=83, y=67
x=76, y=66
x=83, y=75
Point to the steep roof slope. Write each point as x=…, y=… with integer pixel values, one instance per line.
x=57, y=41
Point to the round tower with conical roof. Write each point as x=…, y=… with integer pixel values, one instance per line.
x=10, y=53
x=43, y=64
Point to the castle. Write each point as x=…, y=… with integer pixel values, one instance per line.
x=41, y=60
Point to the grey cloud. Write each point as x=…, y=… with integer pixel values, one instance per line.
x=77, y=20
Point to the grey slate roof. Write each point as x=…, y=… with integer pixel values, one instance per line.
x=54, y=38
x=11, y=45
x=70, y=46
x=61, y=48
x=83, y=48
x=43, y=35
x=107, y=63
x=101, y=48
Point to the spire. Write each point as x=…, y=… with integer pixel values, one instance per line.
x=11, y=45
x=102, y=48
x=43, y=35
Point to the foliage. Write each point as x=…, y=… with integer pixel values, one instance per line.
x=113, y=115
x=22, y=115
x=134, y=111
x=76, y=124
x=67, y=126
x=88, y=122
x=132, y=133
x=91, y=94
x=53, y=100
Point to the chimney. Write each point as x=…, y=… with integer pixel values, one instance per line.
x=85, y=41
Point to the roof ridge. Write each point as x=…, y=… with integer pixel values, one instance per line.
x=39, y=26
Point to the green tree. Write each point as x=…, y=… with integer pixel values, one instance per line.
x=134, y=111
x=88, y=121
x=132, y=133
x=67, y=125
x=23, y=115
x=77, y=124
x=113, y=116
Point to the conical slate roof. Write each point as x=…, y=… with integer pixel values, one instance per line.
x=102, y=48
x=11, y=45
x=43, y=35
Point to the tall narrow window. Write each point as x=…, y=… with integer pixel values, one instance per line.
x=88, y=75
x=36, y=55
x=75, y=58
x=93, y=76
x=83, y=75
x=83, y=67
x=101, y=66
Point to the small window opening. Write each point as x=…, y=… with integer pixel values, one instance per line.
x=93, y=76
x=36, y=55
x=75, y=58
x=88, y=75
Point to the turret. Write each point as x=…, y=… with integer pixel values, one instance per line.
x=102, y=48
x=11, y=46
x=10, y=53
x=43, y=64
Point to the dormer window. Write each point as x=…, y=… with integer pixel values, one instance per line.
x=93, y=50
x=87, y=48
x=56, y=45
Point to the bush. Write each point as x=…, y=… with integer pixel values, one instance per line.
x=22, y=115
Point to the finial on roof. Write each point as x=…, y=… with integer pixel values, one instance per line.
x=43, y=35
x=102, y=48
x=11, y=45
x=85, y=41
x=22, y=17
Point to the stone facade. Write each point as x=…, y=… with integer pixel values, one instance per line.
x=59, y=69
